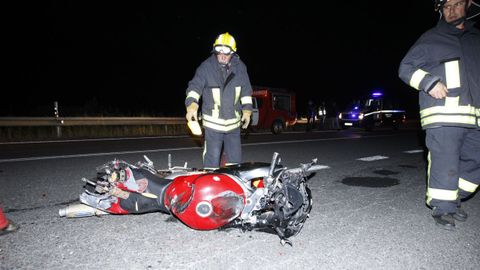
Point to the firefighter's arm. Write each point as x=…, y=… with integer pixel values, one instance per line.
x=412, y=69
x=246, y=92
x=194, y=92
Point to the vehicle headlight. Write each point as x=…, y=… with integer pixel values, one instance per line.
x=340, y=116
x=360, y=116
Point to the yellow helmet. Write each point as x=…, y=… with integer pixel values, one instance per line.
x=226, y=39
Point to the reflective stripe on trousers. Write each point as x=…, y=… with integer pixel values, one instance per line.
x=453, y=155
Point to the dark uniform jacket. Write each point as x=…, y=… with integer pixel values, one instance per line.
x=452, y=56
x=223, y=97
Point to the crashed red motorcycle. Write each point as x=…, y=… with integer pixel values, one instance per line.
x=249, y=196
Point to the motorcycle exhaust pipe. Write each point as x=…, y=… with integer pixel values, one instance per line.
x=80, y=210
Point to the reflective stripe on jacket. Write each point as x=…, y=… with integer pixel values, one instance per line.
x=222, y=99
x=452, y=56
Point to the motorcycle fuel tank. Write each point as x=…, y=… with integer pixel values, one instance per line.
x=206, y=201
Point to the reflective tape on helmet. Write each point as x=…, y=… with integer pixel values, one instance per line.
x=467, y=185
x=417, y=78
x=442, y=194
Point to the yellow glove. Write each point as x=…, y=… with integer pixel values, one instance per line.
x=192, y=112
x=246, y=114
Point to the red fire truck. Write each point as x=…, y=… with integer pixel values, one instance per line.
x=273, y=108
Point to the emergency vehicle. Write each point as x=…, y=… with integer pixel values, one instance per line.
x=273, y=108
x=374, y=111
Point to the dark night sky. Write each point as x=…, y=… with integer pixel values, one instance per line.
x=85, y=53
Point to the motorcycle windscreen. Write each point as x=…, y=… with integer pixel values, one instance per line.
x=205, y=202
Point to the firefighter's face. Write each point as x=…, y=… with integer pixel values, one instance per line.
x=223, y=58
x=454, y=10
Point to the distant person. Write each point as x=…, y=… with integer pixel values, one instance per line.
x=322, y=114
x=444, y=66
x=223, y=84
x=311, y=115
x=333, y=113
x=6, y=225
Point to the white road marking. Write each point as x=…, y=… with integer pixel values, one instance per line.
x=174, y=149
x=96, y=154
x=144, y=138
x=372, y=158
x=413, y=151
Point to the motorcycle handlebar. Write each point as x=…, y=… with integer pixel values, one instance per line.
x=315, y=168
x=308, y=170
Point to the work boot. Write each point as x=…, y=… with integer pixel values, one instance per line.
x=460, y=214
x=445, y=221
x=11, y=227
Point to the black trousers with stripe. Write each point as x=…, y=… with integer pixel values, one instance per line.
x=215, y=140
x=454, y=154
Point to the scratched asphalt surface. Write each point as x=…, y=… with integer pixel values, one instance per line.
x=350, y=226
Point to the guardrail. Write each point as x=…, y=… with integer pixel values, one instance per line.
x=88, y=121
x=40, y=128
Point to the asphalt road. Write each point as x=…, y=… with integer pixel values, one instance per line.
x=368, y=212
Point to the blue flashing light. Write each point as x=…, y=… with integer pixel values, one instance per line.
x=355, y=108
x=377, y=94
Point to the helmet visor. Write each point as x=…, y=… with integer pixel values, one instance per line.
x=223, y=50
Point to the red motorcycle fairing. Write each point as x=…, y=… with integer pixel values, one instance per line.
x=207, y=201
x=117, y=209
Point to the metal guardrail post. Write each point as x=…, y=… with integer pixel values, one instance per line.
x=58, y=122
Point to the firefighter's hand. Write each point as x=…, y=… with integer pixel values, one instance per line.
x=246, y=114
x=439, y=91
x=192, y=112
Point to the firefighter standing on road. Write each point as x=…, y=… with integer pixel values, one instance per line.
x=444, y=65
x=222, y=83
